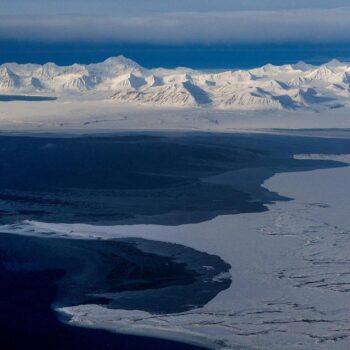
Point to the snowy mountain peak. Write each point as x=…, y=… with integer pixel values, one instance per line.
x=122, y=80
x=8, y=79
x=334, y=63
x=119, y=63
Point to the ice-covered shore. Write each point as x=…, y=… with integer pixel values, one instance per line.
x=290, y=270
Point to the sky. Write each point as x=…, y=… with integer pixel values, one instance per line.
x=177, y=23
x=105, y=7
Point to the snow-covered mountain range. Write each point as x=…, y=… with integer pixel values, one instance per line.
x=287, y=87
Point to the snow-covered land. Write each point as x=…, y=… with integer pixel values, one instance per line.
x=118, y=94
x=290, y=270
x=287, y=87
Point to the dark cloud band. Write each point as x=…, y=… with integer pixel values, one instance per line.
x=313, y=25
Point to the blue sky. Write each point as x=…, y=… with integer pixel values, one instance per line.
x=205, y=32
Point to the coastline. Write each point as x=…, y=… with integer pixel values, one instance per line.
x=308, y=307
x=261, y=247
x=72, y=319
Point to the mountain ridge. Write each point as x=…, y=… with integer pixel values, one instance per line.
x=121, y=80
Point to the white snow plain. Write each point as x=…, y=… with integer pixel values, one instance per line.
x=290, y=270
x=84, y=117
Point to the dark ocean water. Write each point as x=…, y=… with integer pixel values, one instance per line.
x=28, y=322
x=125, y=178
x=143, y=178
x=9, y=98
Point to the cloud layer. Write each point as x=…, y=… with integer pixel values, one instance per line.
x=107, y=7
x=238, y=27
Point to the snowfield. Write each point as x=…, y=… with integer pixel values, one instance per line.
x=84, y=117
x=290, y=270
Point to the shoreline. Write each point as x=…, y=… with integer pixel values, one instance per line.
x=278, y=260
x=147, y=329
x=344, y=133
x=196, y=340
x=46, y=248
